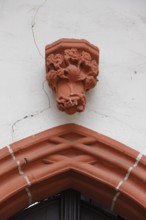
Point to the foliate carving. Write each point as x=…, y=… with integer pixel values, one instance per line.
x=71, y=71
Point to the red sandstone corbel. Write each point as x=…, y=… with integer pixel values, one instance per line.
x=71, y=70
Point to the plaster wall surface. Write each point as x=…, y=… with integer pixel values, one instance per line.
x=116, y=107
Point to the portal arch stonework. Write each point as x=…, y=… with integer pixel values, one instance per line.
x=72, y=156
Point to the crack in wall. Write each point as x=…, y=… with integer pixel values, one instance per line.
x=34, y=38
x=117, y=194
x=97, y=112
x=43, y=87
x=13, y=127
x=33, y=28
x=43, y=84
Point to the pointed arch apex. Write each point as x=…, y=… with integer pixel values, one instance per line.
x=72, y=156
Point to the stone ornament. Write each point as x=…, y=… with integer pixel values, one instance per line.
x=71, y=70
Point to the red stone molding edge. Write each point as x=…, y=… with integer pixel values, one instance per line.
x=71, y=156
x=71, y=70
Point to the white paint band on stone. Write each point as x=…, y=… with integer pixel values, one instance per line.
x=29, y=196
x=21, y=173
x=138, y=158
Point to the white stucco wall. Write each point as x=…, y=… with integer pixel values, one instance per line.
x=116, y=107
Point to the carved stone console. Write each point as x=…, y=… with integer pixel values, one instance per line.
x=71, y=70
